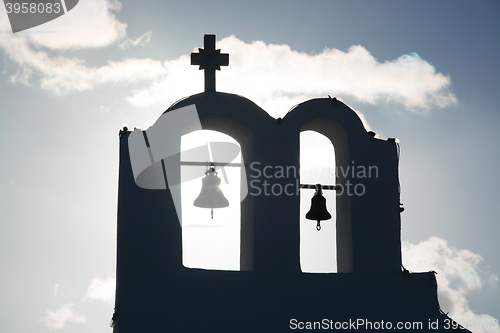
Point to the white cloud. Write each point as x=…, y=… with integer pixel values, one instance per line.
x=101, y=289
x=139, y=41
x=274, y=76
x=91, y=23
x=363, y=120
x=458, y=274
x=168, y=88
x=22, y=75
x=63, y=74
x=63, y=317
x=277, y=77
x=57, y=289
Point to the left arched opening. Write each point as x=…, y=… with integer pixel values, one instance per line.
x=209, y=243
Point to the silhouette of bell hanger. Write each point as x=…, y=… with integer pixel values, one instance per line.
x=211, y=195
x=318, y=211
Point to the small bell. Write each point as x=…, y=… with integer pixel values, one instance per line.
x=318, y=211
x=211, y=195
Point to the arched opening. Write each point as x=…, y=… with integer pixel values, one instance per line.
x=318, y=250
x=209, y=243
x=337, y=135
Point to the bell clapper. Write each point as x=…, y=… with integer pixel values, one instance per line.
x=212, y=213
x=318, y=226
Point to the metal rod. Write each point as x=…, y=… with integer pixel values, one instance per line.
x=215, y=164
x=212, y=163
x=323, y=187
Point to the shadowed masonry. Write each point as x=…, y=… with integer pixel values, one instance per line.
x=293, y=188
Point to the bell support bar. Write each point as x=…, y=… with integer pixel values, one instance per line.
x=212, y=164
x=323, y=187
x=307, y=186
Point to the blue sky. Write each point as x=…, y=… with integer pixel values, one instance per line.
x=425, y=72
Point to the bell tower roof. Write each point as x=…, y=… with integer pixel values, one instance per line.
x=230, y=105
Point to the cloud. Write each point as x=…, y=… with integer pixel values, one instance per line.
x=166, y=89
x=458, y=274
x=90, y=24
x=57, y=289
x=63, y=317
x=277, y=77
x=363, y=120
x=101, y=289
x=62, y=74
x=139, y=41
x=274, y=76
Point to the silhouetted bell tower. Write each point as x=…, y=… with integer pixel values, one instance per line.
x=156, y=293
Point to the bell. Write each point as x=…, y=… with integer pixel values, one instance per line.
x=211, y=195
x=318, y=211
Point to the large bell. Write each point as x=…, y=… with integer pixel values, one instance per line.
x=318, y=211
x=211, y=195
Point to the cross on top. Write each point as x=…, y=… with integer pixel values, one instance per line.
x=209, y=59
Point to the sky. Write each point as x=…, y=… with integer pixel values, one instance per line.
x=424, y=72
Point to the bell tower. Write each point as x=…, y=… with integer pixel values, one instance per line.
x=155, y=292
